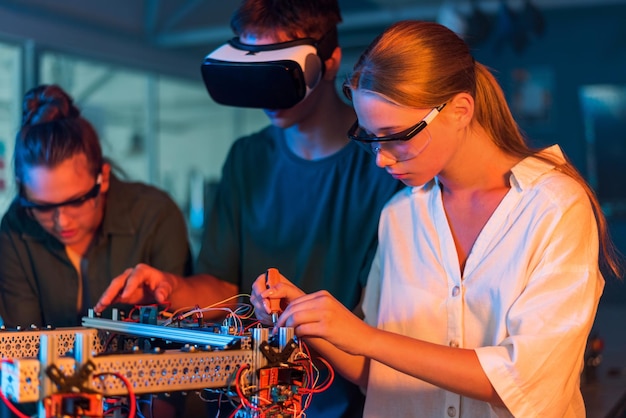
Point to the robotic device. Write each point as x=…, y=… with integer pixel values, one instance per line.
x=73, y=372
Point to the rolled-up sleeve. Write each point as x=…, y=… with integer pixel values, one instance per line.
x=536, y=367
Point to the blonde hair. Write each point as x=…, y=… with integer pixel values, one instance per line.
x=424, y=64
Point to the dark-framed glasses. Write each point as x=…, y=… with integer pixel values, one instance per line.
x=71, y=205
x=356, y=133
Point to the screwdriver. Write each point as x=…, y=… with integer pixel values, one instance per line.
x=271, y=277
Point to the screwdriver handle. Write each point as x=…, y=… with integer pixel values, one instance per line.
x=272, y=277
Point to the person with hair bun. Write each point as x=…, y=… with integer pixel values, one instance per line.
x=74, y=225
x=489, y=267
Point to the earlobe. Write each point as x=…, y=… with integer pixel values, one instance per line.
x=106, y=177
x=332, y=65
x=463, y=108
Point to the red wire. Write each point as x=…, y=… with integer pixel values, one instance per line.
x=6, y=400
x=308, y=365
x=129, y=388
x=133, y=402
x=245, y=402
x=108, y=342
x=132, y=311
x=309, y=390
x=167, y=304
x=251, y=325
x=234, y=413
x=331, y=376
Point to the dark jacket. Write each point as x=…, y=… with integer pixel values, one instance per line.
x=39, y=284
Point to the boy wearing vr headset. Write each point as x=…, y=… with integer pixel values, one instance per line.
x=298, y=195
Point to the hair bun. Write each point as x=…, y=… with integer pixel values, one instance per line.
x=47, y=103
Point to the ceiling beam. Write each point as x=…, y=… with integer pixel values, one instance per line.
x=91, y=43
x=353, y=22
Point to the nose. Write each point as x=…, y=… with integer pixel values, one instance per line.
x=383, y=159
x=60, y=217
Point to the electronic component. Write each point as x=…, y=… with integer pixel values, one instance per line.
x=72, y=372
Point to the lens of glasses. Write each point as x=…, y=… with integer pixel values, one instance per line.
x=399, y=150
x=72, y=209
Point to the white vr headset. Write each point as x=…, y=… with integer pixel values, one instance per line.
x=275, y=76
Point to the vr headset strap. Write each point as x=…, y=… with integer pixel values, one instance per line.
x=327, y=44
x=324, y=46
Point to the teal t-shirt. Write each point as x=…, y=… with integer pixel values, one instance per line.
x=316, y=221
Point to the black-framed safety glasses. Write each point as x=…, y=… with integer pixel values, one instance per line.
x=356, y=133
x=77, y=202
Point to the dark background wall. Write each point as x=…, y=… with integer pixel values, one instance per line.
x=579, y=47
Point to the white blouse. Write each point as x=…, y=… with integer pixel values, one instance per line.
x=526, y=301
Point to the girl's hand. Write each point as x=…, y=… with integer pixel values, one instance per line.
x=280, y=288
x=320, y=315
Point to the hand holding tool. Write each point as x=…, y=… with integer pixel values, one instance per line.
x=271, y=277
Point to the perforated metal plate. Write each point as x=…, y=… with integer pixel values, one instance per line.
x=169, y=371
x=21, y=344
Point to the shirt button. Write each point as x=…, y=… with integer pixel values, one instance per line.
x=451, y=411
x=454, y=344
x=455, y=291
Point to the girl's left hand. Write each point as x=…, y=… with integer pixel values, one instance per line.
x=320, y=315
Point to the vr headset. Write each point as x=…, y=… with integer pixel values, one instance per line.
x=275, y=76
